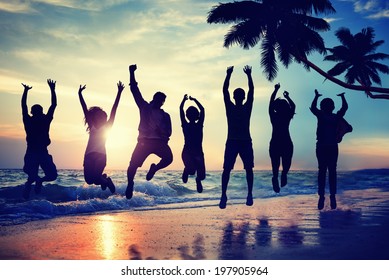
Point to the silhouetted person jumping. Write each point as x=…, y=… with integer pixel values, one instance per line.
x=238, y=138
x=281, y=112
x=327, y=144
x=155, y=129
x=192, y=154
x=37, y=129
x=95, y=158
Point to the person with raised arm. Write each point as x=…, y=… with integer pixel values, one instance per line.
x=327, y=144
x=192, y=153
x=37, y=127
x=281, y=112
x=95, y=158
x=238, y=138
x=155, y=129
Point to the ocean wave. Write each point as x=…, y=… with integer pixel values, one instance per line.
x=69, y=195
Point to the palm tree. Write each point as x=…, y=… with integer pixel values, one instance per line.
x=285, y=28
x=356, y=56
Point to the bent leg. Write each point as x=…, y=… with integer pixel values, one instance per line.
x=48, y=168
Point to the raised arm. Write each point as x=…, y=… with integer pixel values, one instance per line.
x=134, y=87
x=82, y=101
x=202, y=111
x=24, y=100
x=116, y=103
x=273, y=97
x=250, y=94
x=52, y=84
x=291, y=103
x=344, y=107
x=313, y=108
x=182, y=113
x=226, y=84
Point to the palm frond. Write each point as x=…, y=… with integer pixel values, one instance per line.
x=268, y=60
x=246, y=34
x=338, y=69
x=233, y=12
x=345, y=37
x=378, y=66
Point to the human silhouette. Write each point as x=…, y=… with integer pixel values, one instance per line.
x=95, y=158
x=192, y=153
x=37, y=129
x=281, y=112
x=155, y=129
x=327, y=144
x=238, y=137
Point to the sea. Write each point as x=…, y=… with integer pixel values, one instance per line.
x=70, y=195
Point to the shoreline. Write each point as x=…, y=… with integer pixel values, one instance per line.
x=279, y=228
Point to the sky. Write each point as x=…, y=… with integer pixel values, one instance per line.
x=177, y=52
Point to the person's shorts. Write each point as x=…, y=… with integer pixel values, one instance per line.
x=144, y=148
x=194, y=162
x=34, y=159
x=243, y=148
x=94, y=164
x=277, y=149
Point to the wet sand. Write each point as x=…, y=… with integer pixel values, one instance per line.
x=279, y=228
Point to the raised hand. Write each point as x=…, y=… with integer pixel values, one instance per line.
x=341, y=94
x=230, y=69
x=51, y=84
x=317, y=93
x=120, y=86
x=192, y=98
x=132, y=68
x=26, y=87
x=81, y=88
x=286, y=94
x=247, y=70
x=277, y=86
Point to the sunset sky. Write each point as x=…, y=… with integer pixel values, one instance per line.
x=177, y=52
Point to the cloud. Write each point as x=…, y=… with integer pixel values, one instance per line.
x=373, y=9
x=361, y=6
x=379, y=15
x=21, y=7
x=329, y=20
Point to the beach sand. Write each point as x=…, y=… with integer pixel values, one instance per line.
x=279, y=228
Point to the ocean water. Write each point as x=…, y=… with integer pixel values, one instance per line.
x=70, y=195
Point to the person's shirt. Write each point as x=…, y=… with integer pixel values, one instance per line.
x=155, y=123
x=327, y=123
x=238, y=120
x=97, y=140
x=193, y=135
x=280, y=124
x=37, y=131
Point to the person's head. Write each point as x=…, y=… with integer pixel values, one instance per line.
x=97, y=117
x=36, y=110
x=239, y=95
x=158, y=99
x=281, y=106
x=192, y=113
x=327, y=105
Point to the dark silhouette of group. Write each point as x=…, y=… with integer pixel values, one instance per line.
x=155, y=129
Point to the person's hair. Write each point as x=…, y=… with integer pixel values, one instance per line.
x=327, y=105
x=282, y=107
x=192, y=113
x=36, y=110
x=239, y=94
x=159, y=97
x=95, y=114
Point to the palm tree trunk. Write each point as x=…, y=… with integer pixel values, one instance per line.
x=366, y=89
